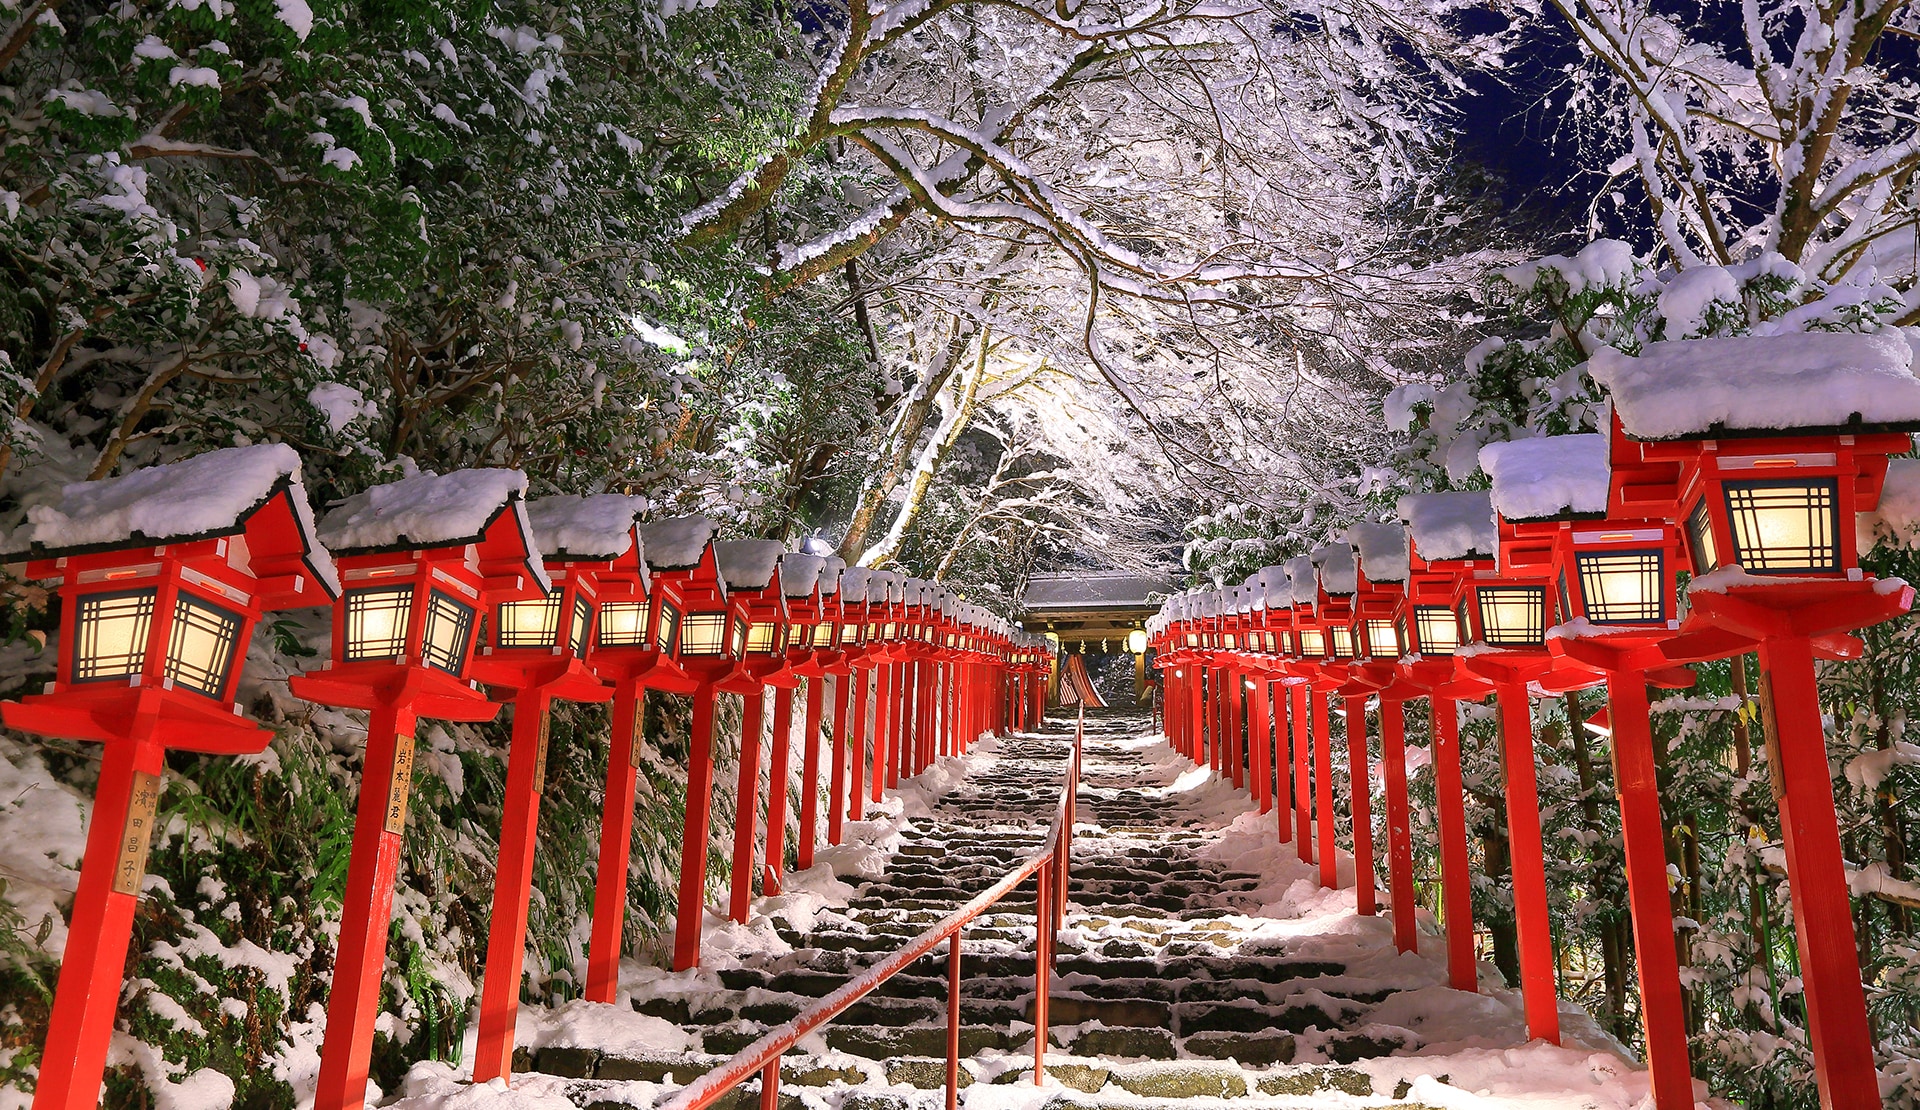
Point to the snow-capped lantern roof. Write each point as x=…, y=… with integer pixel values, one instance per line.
x=1383, y=551
x=677, y=543
x=800, y=573
x=251, y=491
x=1255, y=591
x=830, y=576
x=1337, y=568
x=748, y=564
x=481, y=508
x=1457, y=524
x=598, y=526
x=1303, y=580
x=853, y=585
x=1278, y=588
x=1548, y=477
x=1753, y=385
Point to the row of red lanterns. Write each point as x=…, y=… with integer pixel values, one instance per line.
x=451, y=596
x=1741, y=461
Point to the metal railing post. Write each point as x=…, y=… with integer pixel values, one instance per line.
x=1042, y=967
x=953, y=1021
x=770, y=1085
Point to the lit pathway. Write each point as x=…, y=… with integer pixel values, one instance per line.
x=1200, y=961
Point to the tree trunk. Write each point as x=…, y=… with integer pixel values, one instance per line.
x=953, y=422
x=901, y=440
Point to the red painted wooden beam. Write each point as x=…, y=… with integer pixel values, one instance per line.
x=1393, y=766
x=1530, y=915
x=1463, y=966
x=1360, y=779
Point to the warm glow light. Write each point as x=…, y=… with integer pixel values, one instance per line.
x=1312, y=642
x=1137, y=641
x=1439, y=633
x=823, y=634
x=111, y=635
x=377, y=622
x=1342, y=641
x=449, y=629
x=764, y=637
x=203, y=645
x=669, y=624
x=1383, y=640
x=582, y=624
x=1513, y=615
x=704, y=634
x=1622, y=587
x=527, y=624
x=1706, y=550
x=623, y=624
x=1785, y=526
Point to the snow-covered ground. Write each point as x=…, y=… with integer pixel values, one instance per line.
x=1473, y=1053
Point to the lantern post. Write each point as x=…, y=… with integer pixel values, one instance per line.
x=706, y=648
x=420, y=559
x=1615, y=578
x=1452, y=534
x=801, y=576
x=855, y=644
x=1767, y=482
x=162, y=575
x=1504, y=614
x=1277, y=623
x=1379, y=598
x=1309, y=650
x=534, y=652
x=638, y=618
x=1339, y=579
x=750, y=571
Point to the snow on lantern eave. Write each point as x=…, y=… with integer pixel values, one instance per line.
x=1896, y=520
x=1454, y=524
x=208, y=496
x=1384, y=550
x=748, y=564
x=482, y=507
x=1750, y=386
x=1548, y=477
x=597, y=526
x=800, y=573
x=677, y=543
x=1339, y=572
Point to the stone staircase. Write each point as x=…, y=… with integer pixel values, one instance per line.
x=1158, y=993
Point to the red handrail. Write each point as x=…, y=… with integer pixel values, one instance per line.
x=1049, y=863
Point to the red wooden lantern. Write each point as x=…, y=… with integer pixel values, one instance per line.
x=800, y=575
x=162, y=575
x=421, y=560
x=1615, y=580
x=700, y=634
x=1504, y=613
x=627, y=648
x=1768, y=447
x=1379, y=600
x=751, y=571
x=1452, y=534
x=534, y=652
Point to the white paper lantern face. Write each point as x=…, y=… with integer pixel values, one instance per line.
x=110, y=635
x=203, y=644
x=1623, y=587
x=1785, y=526
x=623, y=624
x=377, y=621
x=447, y=633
